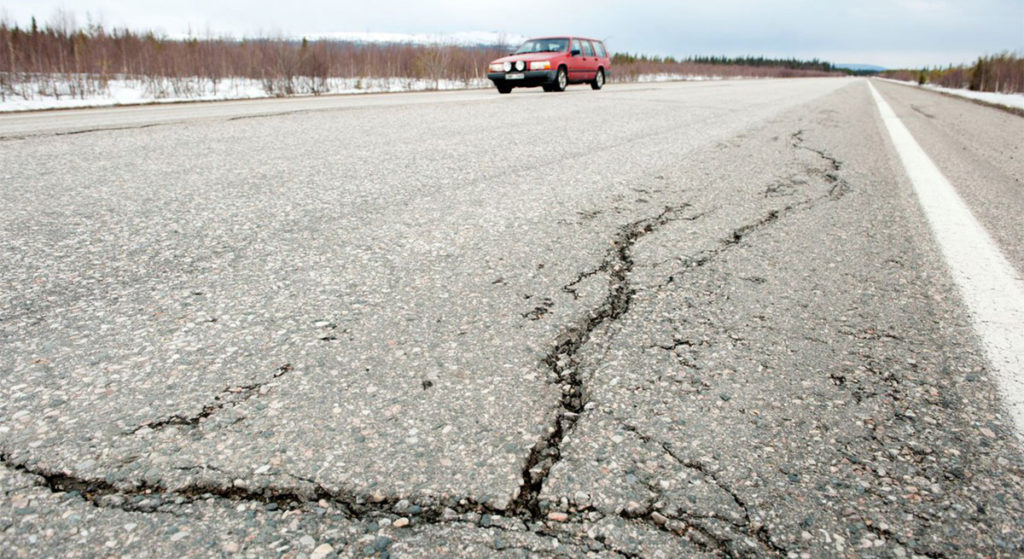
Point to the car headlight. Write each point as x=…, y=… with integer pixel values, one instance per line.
x=520, y=65
x=541, y=65
x=496, y=67
x=507, y=66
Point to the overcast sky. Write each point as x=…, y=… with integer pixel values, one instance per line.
x=891, y=33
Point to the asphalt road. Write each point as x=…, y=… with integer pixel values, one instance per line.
x=672, y=320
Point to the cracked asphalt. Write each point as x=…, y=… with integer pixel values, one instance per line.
x=656, y=321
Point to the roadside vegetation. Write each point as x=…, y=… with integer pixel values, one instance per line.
x=630, y=67
x=62, y=60
x=999, y=73
x=58, y=61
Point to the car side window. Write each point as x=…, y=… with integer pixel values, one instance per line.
x=576, y=45
x=587, y=49
x=599, y=47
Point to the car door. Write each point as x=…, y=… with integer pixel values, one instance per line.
x=590, y=61
x=577, y=64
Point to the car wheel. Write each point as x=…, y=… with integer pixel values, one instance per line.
x=598, y=82
x=561, y=80
x=503, y=89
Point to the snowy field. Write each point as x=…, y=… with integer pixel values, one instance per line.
x=1013, y=100
x=665, y=77
x=50, y=94
x=137, y=92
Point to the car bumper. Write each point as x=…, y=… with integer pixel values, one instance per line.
x=530, y=78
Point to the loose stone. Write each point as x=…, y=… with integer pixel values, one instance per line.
x=321, y=551
x=634, y=508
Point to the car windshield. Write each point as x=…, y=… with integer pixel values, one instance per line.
x=543, y=45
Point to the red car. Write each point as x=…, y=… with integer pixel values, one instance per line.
x=552, y=63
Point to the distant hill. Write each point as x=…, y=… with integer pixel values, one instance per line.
x=468, y=38
x=861, y=67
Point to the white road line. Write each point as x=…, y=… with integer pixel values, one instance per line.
x=989, y=284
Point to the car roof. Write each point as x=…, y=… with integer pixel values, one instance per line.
x=563, y=37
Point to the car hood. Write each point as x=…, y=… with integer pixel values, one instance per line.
x=527, y=57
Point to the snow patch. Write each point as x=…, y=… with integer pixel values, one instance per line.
x=61, y=93
x=666, y=77
x=1012, y=100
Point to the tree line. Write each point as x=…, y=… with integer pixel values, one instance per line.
x=83, y=60
x=630, y=66
x=751, y=61
x=1000, y=73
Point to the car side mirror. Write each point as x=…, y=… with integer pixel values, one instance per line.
x=574, y=52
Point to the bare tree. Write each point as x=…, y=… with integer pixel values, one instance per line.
x=435, y=60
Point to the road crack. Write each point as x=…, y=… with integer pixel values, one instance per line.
x=155, y=498
x=838, y=188
x=746, y=524
x=132, y=498
x=230, y=396
x=564, y=358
